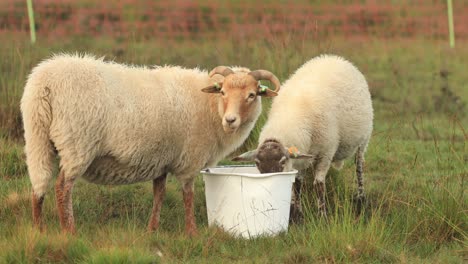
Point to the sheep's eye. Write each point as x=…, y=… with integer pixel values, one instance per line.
x=222, y=92
x=252, y=96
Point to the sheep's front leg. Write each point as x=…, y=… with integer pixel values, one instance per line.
x=188, y=193
x=159, y=190
x=321, y=169
x=320, y=189
x=63, y=193
x=296, y=214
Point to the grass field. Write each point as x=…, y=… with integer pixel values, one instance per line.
x=415, y=173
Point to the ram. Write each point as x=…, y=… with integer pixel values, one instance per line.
x=116, y=124
x=325, y=110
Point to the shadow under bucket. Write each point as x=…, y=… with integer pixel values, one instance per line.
x=245, y=202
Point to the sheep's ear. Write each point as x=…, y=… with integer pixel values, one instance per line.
x=247, y=156
x=264, y=91
x=268, y=93
x=215, y=88
x=295, y=154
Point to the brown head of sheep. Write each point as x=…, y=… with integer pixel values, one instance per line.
x=240, y=93
x=271, y=156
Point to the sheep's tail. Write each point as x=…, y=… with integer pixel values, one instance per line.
x=40, y=152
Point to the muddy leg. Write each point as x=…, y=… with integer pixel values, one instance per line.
x=319, y=187
x=37, y=202
x=59, y=199
x=63, y=193
x=296, y=213
x=359, y=170
x=360, y=197
x=321, y=169
x=159, y=190
x=68, y=203
x=188, y=193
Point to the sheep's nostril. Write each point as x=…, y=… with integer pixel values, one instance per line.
x=231, y=119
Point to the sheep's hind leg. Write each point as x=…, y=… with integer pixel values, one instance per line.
x=37, y=202
x=59, y=184
x=359, y=160
x=63, y=193
x=188, y=193
x=159, y=190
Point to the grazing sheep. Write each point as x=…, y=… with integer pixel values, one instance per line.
x=115, y=124
x=324, y=109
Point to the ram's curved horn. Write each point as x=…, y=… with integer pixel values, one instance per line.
x=223, y=70
x=266, y=75
x=247, y=156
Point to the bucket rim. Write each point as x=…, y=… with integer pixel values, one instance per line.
x=207, y=172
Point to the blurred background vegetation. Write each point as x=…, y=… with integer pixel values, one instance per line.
x=415, y=166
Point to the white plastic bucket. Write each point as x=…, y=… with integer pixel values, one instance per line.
x=244, y=202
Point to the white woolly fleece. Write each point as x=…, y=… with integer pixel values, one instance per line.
x=117, y=124
x=323, y=109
